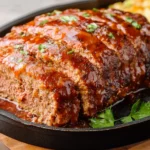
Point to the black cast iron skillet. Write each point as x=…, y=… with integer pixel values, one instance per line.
x=70, y=138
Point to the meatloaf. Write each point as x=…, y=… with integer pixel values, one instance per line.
x=72, y=63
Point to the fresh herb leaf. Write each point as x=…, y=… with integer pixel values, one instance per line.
x=67, y=19
x=144, y=111
x=105, y=119
x=86, y=15
x=126, y=119
x=133, y=23
x=42, y=23
x=91, y=27
x=135, y=107
x=42, y=48
x=95, y=9
x=111, y=35
x=100, y=123
x=138, y=111
x=70, y=52
x=55, y=12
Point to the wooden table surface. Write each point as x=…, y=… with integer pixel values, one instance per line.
x=17, y=145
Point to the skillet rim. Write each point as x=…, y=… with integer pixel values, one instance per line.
x=45, y=127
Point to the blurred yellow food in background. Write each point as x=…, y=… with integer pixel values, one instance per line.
x=134, y=6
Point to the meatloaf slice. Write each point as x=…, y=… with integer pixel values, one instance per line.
x=47, y=95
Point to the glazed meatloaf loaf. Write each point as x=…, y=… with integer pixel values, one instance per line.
x=66, y=64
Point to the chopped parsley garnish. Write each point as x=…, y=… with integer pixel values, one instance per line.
x=55, y=12
x=111, y=35
x=49, y=13
x=42, y=48
x=110, y=15
x=67, y=19
x=138, y=111
x=86, y=15
x=136, y=25
x=91, y=27
x=95, y=9
x=22, y=34
x=42, y=23
x=70, y=52
x=133, y=22
x=18, y=46
x=20, y=60
x=24, y=52
x=129, y=20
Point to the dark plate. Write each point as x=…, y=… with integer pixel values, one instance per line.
x=68, y=138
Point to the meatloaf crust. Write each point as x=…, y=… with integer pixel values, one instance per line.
x=63, y=64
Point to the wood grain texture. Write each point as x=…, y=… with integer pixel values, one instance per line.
x=17, y=145
x=13, y=144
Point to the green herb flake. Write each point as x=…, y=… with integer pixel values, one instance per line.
x=110, y=15
x=67, y=19
x=105, y=119
x=42, y=48
x=42, y=23
x=128, y=19
x=49, y=13
x=95, y=9
x=111, y=35
x=136, y=25
x=20, y=60
x=70, y=52
x=23, y=34
x=91, y=27
x=18, y=46
x=55, y=12
x=133, y=23
x=86, y=15
x=24, y=52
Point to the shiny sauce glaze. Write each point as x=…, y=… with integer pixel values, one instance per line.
x=99, y=45
x=12, y=108
x=82, y=122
